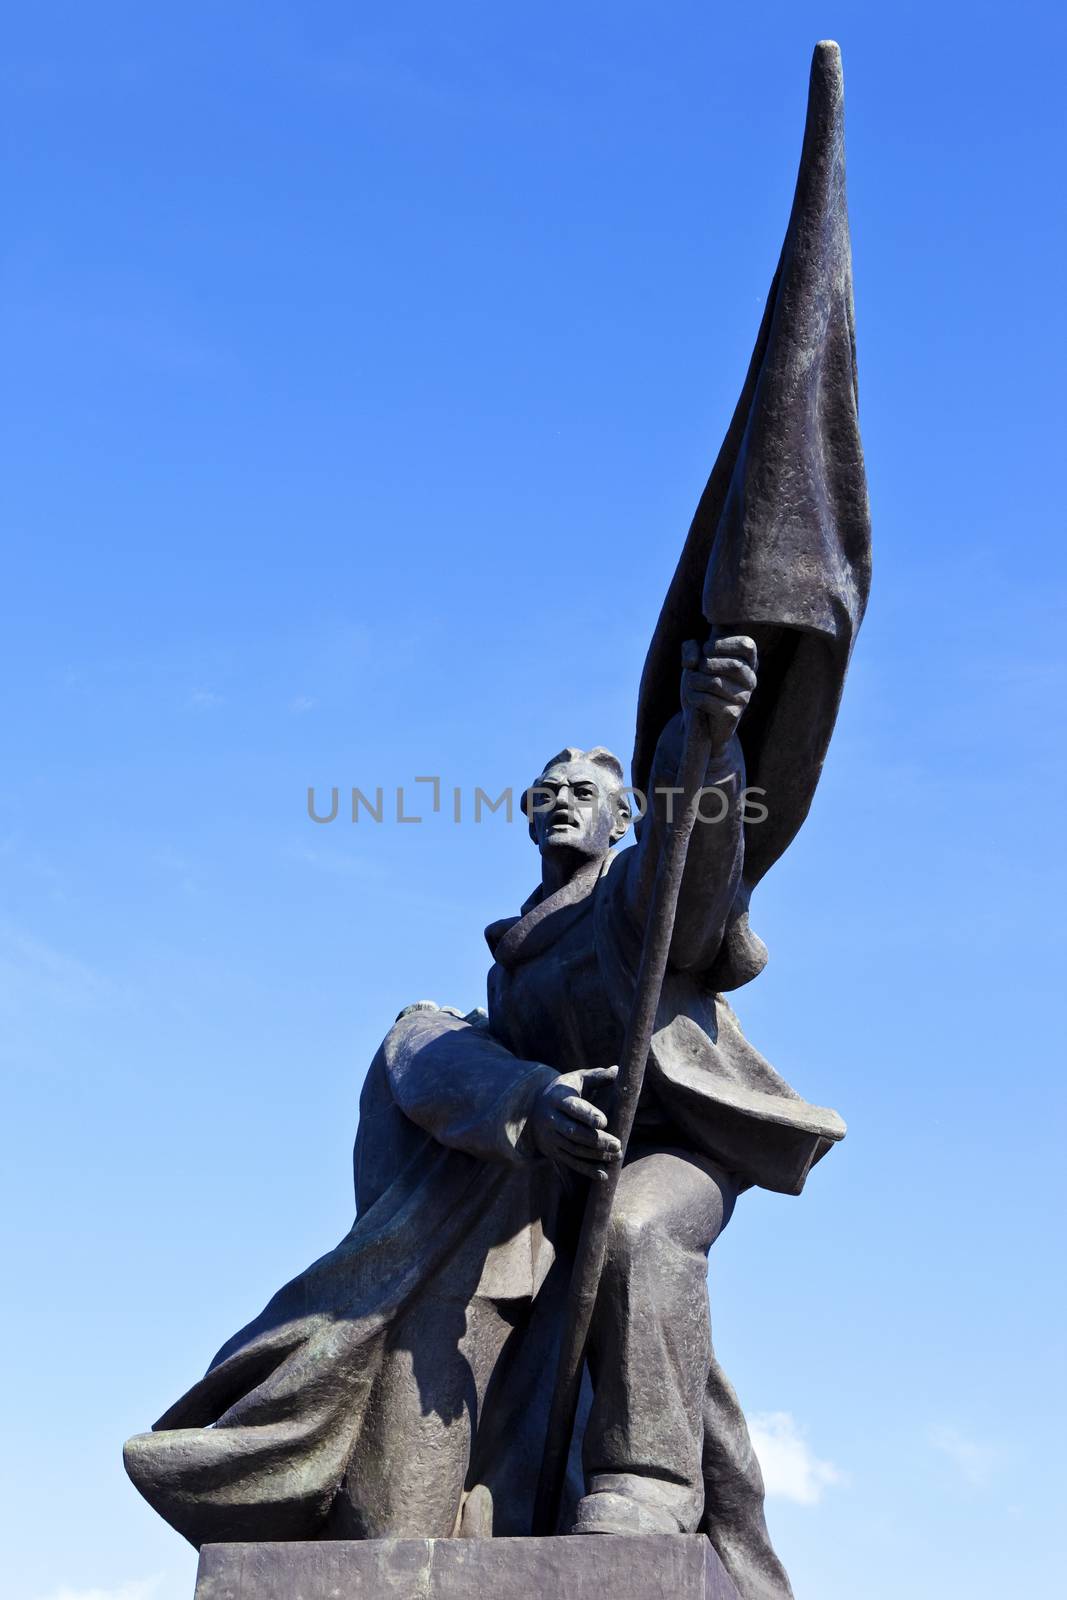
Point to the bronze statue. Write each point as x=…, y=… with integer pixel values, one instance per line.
x=538, y=1185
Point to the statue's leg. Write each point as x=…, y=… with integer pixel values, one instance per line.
x=733, y=1496
x=407, y=1472
x=650, y=1347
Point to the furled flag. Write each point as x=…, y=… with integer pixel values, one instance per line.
x=780, y=543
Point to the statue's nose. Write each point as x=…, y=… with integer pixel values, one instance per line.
x=564, y=803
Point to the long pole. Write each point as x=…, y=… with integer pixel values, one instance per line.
x=593, y=1239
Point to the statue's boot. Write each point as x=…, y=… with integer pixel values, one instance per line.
x=604, y=1512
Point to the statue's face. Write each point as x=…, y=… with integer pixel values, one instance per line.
x=572, y=808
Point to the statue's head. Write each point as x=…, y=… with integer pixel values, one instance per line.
x=578, y=803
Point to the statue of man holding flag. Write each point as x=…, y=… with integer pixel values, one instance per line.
x=514, y=1337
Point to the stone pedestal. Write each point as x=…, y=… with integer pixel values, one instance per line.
x=592, y=1567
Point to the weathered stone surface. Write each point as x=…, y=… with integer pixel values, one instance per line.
x=648, y=1567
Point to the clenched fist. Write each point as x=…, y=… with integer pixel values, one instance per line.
x=717, y=682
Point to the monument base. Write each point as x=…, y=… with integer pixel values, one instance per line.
x=589, y=1567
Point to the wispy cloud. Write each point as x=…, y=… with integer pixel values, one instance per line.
x=33, y=972
x=973, y=1459
x=139, y=1589
x=123, y=326
x=179, y=868
x=791, y=1471
x=301, y=703
x=338, y=863
x=24, y=858
x=204, y=700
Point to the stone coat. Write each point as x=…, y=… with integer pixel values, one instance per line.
x=448, y=1190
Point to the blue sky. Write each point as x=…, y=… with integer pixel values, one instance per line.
x=366, y=365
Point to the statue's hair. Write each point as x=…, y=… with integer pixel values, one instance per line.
x=598, y=756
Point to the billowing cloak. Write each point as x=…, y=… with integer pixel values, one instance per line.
x=780, y=543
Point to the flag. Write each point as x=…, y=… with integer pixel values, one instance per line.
x=780, y=543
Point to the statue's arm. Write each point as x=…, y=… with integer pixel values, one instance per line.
x=716, y=849
x=462, y=1086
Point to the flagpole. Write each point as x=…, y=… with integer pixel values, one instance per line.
x=593, y=1239
x=790, y=476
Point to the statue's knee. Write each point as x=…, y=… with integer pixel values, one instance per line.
x=633, y=1232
